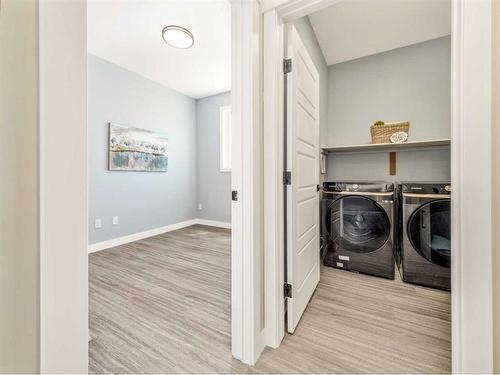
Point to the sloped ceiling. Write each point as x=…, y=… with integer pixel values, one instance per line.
x=351, y=29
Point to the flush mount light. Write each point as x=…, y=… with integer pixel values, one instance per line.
x=177, y=37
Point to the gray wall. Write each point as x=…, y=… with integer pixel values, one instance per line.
x=141, y=200
x=410, y=83
x=19, y=255
x=213, y=186
x=428, y=165
x=306, y=33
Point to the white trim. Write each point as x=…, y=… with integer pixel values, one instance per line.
x=62, y=59
x=472, y=311
x=247, y=337
x=213, y=223
x=273, y=183
x=290, y=10
x=472, y=324
x=138, y=236
x=237, y=318
x=98, y=246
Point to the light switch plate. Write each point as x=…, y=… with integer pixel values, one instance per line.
x=98, y=223
x=115, y=220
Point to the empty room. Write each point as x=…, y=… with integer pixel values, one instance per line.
x=159, y=185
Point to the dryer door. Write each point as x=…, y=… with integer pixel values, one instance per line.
x=358, y=224
x=429, y=231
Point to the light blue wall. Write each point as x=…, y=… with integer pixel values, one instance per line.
x=407, y=84
x=306, y=33
x=141, y=200
x=213, y=186
x=410, y=83
x=428, y=165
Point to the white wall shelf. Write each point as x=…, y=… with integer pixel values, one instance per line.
x=389, y=146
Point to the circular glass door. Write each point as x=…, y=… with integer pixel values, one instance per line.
x=429, y=231
x=358, y=224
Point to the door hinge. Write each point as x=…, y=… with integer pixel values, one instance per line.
x=287, y=289
x=287, y=66
x=234, y=195
x=287, y=178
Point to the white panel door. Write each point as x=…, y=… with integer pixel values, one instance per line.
x=303, y=259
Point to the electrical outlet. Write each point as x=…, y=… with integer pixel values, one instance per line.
x=98, y=223
x=200, y=207
x=115, y=220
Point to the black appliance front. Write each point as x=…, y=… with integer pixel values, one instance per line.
x=426, y=247
x=358, y=233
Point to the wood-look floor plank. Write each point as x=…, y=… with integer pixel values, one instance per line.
x=162, y=305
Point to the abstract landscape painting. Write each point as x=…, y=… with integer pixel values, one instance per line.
x=133, y=149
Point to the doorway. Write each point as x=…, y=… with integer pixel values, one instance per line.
x=160, y=160
x=275, y=16
x=64, y=339
x=354, y=277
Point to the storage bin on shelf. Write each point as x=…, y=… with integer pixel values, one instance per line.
x=382, y=133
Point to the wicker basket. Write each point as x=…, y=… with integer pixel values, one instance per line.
x=382, y=133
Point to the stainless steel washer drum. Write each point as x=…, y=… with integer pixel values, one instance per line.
x=358, y=224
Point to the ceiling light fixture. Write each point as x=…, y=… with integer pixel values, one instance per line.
x=177, y=37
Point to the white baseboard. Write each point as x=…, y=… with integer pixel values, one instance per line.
x=153, y=232
x=213, y=223
x=138, y=236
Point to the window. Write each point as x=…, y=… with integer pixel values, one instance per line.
x=225, y=138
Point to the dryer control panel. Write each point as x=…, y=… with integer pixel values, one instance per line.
x=426, y=188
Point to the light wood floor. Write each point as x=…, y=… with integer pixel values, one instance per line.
x=162, y=305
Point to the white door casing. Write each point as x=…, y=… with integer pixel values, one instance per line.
x=247, y=328
x=303, y=266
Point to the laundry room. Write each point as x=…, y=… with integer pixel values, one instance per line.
x=372, y=80
x=385, y=144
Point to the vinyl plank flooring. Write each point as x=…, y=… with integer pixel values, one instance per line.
x=162, y=305
x=362, y=324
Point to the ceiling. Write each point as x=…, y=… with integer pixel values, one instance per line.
x=129, y=33
x=351, y=29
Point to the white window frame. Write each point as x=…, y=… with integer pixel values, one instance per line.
x=225, y=136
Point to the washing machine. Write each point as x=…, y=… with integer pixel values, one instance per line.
x=358, y=227
x=425, y=240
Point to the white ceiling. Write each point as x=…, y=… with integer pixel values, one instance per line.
x=351, y=29
x=128, y=33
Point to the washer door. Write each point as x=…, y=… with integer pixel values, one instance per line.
x=358, y=224
x=429, y=231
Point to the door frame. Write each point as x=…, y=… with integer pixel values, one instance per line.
x=248, y=329
x=472, y=327
x=63, y=188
